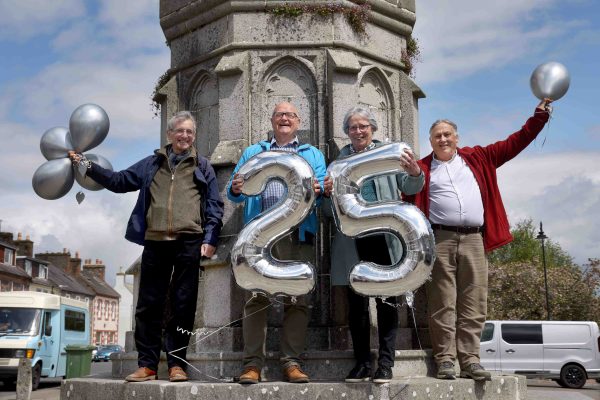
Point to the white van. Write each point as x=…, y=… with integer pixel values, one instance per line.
x=38, y=326
x=565, y=351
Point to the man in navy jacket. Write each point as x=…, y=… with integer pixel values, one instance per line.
x=177, y=218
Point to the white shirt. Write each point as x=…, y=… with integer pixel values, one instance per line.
x=454, y=195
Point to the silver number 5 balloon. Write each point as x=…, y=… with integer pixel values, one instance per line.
x=355, y=217
x=254, y=267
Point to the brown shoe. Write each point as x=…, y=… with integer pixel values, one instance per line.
x=250, y=375
x=142, y=374
x=177, y=374
x=294, y=374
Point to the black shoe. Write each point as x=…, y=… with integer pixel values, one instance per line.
x=360, y=373
x=383, y=375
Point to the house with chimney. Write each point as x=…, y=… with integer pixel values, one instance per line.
x=62, y=275
x=11, y=277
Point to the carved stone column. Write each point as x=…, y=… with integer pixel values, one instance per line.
x=232, y=61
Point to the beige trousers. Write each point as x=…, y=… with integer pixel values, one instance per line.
x=295, y=320
x=457, y=297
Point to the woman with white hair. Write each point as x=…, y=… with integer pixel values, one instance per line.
x=360, y=124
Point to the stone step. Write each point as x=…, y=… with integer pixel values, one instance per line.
x=501, y=387
x=331, y=365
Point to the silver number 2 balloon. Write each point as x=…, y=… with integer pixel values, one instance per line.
x=254, y=267
x=355, y=217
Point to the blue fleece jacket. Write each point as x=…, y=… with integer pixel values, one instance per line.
x=253, y=204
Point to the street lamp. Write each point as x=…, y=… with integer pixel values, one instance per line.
x=541, y=236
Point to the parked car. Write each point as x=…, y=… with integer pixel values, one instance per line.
x=567, y=352
x=103, y=353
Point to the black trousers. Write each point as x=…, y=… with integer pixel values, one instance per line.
x=372, y=248
x=168, y=267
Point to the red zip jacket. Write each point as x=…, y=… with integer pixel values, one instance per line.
x=483, y=161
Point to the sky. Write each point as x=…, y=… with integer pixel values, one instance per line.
x=476, y=61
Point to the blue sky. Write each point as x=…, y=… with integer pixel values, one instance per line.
x=477, y=58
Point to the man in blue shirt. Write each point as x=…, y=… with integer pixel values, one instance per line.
x=298, y=245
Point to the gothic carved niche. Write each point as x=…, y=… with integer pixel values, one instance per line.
x=204, y=105
x=375, y=94
x=290, y=80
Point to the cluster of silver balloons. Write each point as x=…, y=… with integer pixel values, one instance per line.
x=88, y=126
x=254, y=267
x=550, y=80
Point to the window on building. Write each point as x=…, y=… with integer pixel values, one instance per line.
x=43, y=272
x=17, y=286
x=77, y=298
x=9, y=256
x=74, y=321
x=6, y=286
x=28, y=267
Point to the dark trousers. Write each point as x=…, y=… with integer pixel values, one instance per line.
x=372, y=248
x=168, y=267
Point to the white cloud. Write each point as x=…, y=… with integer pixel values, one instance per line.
x=95, y=228
x=20, y=20
x=114, y=60
x=563, y=191
x=458, y=38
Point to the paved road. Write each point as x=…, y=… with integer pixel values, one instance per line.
x=536, y=389
x=50, y=387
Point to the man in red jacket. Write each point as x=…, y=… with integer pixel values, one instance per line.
x=462, y=201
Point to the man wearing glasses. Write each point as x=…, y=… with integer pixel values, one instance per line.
x=298, y=245
x=177, y=218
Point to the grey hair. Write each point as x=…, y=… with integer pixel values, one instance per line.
x=361, y=112
x=444, y=121
x=180, y=117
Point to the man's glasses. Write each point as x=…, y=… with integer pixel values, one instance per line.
x=361, y=128
x=289, y=115
x=181, y=131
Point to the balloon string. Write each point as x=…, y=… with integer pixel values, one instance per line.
x=293, y=300
x=209, y=335
x=550, y=110
x=412, y=311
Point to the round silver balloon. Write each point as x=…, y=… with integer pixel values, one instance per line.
x=53, y=179
x=56, y=143
x=253, y=265
x=88, y=126
x=356, y=218
x=550, y=80
x=85, y=181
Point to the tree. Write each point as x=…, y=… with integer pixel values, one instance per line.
x=525, y=248
x=516, y=281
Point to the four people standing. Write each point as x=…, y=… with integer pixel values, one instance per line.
x=178, y=215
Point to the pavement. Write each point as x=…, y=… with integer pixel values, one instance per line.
x=537, y=389
x=542, y=389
